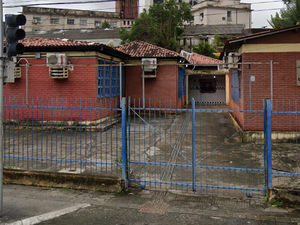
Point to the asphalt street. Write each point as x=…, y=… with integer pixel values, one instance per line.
x=37, y=205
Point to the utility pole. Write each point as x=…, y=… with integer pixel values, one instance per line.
x=1, y=107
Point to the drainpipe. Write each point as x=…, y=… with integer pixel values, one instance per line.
x=27, y=69
x=143, y=80
x=121, y=91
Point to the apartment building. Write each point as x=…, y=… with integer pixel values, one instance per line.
x=45, y=19
x=216, y=12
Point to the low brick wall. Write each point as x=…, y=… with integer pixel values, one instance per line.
x=64, y=180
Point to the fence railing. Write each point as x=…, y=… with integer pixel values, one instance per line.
x=159, y=146
x=62, y=134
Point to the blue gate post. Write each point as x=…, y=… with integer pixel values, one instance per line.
x=128, y=141
x=194, y=144
x=268, y=143
x=124, y=144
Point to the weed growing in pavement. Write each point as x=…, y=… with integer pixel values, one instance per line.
x=276, y=203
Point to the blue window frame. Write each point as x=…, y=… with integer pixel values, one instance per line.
x=236, y=85
x=113, y=80
x=109, y=79
x=181, y=82
x=118, y=80
x=100, y=79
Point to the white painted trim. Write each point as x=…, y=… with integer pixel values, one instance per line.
x=267, y=48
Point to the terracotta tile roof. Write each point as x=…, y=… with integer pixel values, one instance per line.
x=202, y=59
x=55, y=42
x=144, y=49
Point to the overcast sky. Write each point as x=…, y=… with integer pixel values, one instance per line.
x=262, y=9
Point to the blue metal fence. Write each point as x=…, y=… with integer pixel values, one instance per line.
x=284, y=155
x=191, y=150
x=79, y=135
x=194, y=148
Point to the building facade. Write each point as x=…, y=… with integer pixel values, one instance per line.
x=154, y=75
x=45, y=19
x=217, y=12
x=69, y=73
x=264, y=65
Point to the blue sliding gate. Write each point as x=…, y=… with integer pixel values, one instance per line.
x=204, y=149
x=191, y=149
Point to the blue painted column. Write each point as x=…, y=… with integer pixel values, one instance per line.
x=268, y=142
x=124, y=144
x=194, y=144
x=128, y=140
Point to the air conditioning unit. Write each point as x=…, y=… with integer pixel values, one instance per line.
x=186, y=55
x=58, y=72
x=35, y=21
x=149, y=64
x=17, y=72
x=56, y=59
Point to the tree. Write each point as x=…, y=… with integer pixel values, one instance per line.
x=204, y=48
x=217, y=39
x=207, y=49
x=287, y=17
x=161, y=26
x=105, y=24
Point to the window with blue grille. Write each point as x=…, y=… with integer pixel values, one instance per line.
x=109, y=79
x=181, y=82
x=100, y=79
x=236, y=85
x=113, y=80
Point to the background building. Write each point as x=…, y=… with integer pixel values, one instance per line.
x=222, y=12
x=45, y=19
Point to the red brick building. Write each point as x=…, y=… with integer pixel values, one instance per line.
x=255, y=53
x=66, y=73
x=164, y=78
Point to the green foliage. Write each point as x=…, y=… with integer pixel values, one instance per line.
x=204, y=48
x=276, y=203
x=207, y=49
x=105, y=24
x=217, y=40
x=287, y=17
x=162, y=25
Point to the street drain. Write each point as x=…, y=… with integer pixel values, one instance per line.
x=150, y=207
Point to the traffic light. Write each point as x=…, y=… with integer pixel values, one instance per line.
x=13, y=34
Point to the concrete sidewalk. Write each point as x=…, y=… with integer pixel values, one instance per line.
x=33, y=205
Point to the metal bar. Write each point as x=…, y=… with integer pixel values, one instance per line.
x=1, y=107
x=269, y=144
x=143, y=78
x=206, y=186
x=124, y=144
x=121, y=91
x=286, y=173
x=128, y=138
x=64, y=160
x=265, y=144
x=211, y=152
x=145, y=122
x=27, y=69
x=200, y=167
x=249, y=77
x=271, y=78
x=194, y=144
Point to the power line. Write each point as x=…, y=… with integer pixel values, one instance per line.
x=60, y=3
